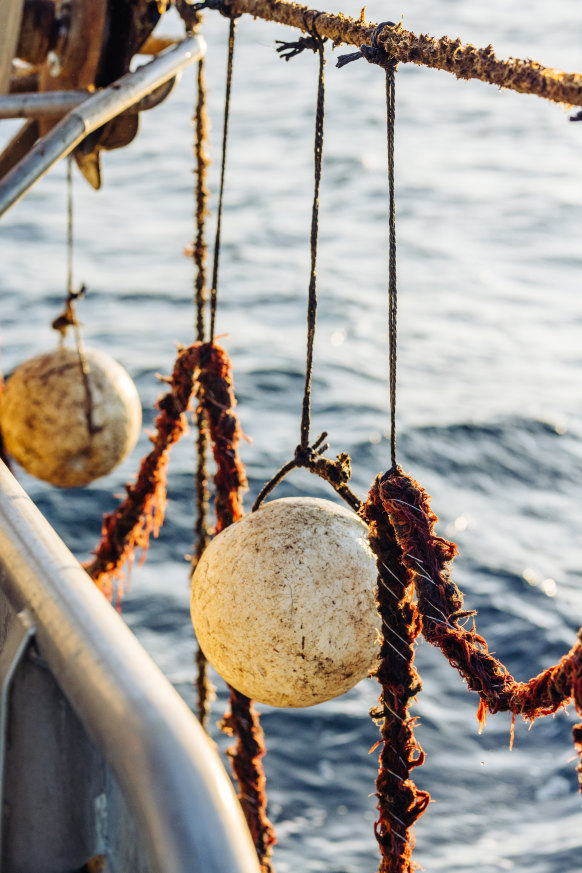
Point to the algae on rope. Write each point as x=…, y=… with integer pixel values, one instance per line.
x=464, y=60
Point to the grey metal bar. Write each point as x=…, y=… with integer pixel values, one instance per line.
x=20, y=636
x=92, y=113
x=184, y=805
x=36, y=105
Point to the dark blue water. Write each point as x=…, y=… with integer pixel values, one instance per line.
x=489, y=205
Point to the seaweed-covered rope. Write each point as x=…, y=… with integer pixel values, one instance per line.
x=216, y=396
x=400, y=802
x=68, y=318
x=463, y=60
x=427, y=559
x=227, y=96
x=204, y=689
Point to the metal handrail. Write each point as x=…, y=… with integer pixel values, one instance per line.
x=92, y=114
x=169, y=772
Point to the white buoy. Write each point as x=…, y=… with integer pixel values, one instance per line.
x=283, y=602
x=45, y=422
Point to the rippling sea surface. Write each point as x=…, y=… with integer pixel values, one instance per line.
x=489, y=224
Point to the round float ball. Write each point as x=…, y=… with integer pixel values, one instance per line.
x=45, y=422
x=283, y=602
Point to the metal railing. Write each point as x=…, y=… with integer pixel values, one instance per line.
x=57, y=627
x=92, y=113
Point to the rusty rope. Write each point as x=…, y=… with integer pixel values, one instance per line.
x=216, y=397
x=400, y=802
x=204, y=688
x=463, y=60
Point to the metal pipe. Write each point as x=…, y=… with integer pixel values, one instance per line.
x=47, y=103
x=40, y=105
x=91, y=114
x=185, y=808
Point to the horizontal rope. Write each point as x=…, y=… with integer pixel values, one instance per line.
x=462, y=59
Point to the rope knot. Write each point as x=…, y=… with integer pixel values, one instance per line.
x=374, y=53
x=222, y=6
x=314, y=41
x=306, y=455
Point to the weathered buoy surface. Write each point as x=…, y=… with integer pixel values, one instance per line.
x=44, y=419
x=283, y=602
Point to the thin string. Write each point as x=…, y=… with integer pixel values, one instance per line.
x=204, y=688
x=68, y=317
x=214, y=289
x=376, y=54
x=392, y=291
x=337, y=473
x=199, y=251
x=70, y=231
x=312, y=294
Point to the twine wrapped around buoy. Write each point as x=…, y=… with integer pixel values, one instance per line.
x=68, y=419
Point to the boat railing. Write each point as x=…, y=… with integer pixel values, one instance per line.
x=102, y=765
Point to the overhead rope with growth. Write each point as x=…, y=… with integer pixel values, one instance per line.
x=463, y=60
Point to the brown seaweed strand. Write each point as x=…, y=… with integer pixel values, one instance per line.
x=217, y=399
x=246, y=758
x=440, y=603
x=204, y=688
x=200, y=249
x=141, y=514
x=400, y=802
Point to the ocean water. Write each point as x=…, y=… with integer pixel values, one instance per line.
x=489, y=227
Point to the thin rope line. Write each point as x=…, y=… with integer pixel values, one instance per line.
x=70, y=216
x=312, y=295
x=214, y=289
x=392, y=291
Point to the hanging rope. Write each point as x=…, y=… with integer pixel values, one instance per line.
x=392, y=291
x=216, y=396
x=68, y=318
x=141, y=513
x=427, y=559
x=375, y=54
x=204, y=688
x=337, y=473
x=312, y=292
x=400, y=803
x=216, y=260
x=216, y=418
x=463, y=60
